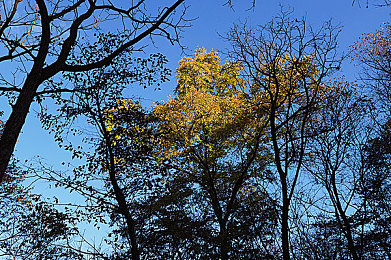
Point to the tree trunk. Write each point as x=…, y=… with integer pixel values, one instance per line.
x=284, y=187
x=346, y=225
x=223, y=243
x=16, y=120
x=123, y=209
x=119, y=195
x=284, y=220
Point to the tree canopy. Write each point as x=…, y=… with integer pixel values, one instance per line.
x=265, y=152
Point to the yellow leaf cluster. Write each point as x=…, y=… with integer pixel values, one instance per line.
x=126, y=124
x=210, y=115
x=204, y=72
x=285, y=79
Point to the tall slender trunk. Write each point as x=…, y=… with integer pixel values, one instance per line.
x=119, y=195
x=218, y=211
x=284, y=187
x=346, y=225
x=284, y=220
x=124, y=210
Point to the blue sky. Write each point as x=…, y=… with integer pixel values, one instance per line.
x=213, y=18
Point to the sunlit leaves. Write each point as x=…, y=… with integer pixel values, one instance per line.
x=131, y=132
x=204, y=72
x=211, y=112
x=285, y=80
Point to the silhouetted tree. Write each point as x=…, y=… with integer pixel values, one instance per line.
x=286, y=63
x=47, y=37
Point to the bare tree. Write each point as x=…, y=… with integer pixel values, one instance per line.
x=372, y=52
x=378, y=3
x=336, y=157
x=286, y=62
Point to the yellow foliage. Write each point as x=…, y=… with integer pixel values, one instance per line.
x=204, y=72
x=127, y=125
x=285, y=79
x=210, y=114
x=112, y=116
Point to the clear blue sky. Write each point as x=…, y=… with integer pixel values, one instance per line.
x=213, y=19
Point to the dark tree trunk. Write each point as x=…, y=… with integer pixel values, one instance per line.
x=284, y=222
x=346, y=227
x=124, y=210
x=284, y=187
x=223, y=243
x=119, y=195
x=16, y=121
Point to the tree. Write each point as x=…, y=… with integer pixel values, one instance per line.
x=336, y=162
x=209, y=137
x=127, y=162
x=374, y=187
x=126, y=137
x=372, y=51
x=30, y=227
x=286, y=63
x=35, y=230
x=107, y=183
x=47, y=38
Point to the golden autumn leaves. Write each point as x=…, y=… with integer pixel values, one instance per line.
x=212, y=114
